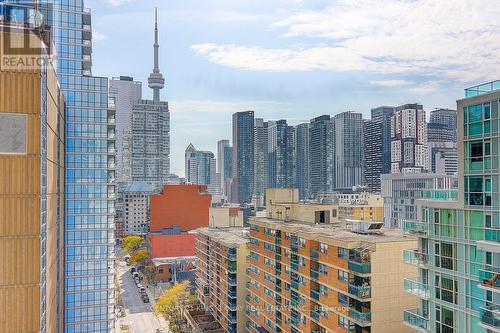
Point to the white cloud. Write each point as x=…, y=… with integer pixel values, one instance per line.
x=390, y=83
x=98, y=35
x=221, y=107
x=117, y=3
x=455, y=39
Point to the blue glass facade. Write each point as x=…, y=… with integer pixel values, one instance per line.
x=89, y=189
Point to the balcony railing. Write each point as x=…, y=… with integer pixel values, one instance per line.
x=414, y=257
x=416, y=288
x=314, y=254
x=363, y=318
x=359, y=291
x=315, y=295
x=360, y=267
x=314, y=274
x=446, y=195
x=416, y=228
x=490, y=317
x=414, y=319
x=490, y=278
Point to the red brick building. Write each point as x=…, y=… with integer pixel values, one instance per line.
x=179, y=208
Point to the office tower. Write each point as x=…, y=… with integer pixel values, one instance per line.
x=243, y=157
x=31, y=183
x=440, y=133
x=221, y=275
x=136, y=208
x=348, y=151
x=401, y=190
x=228, y=171
x=221, y=165
x=321, y=162
x=261, y=158
x=326, y=277
x=445, y=117
x=408, y=138
x=302, y=160
x=443, y=158
x=200, y=168
x=281, y=143
x=125, y=92
x=377, y=146
x=458, y=252
x=151, y=130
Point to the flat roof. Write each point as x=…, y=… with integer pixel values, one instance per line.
x=228, y=236
x=341, y=231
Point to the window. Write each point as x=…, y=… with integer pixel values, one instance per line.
x=323, y=269
x=323, y=248
x=343, y=322
x=343, y=253
x=343, y=276
x=323, y=290
x=343, y=299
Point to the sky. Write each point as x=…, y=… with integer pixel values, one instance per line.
x=295, y=59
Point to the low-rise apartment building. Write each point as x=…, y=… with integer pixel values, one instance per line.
x=221, y=275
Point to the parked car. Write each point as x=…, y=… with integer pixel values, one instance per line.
x=135, y=274
x=160, y=330
x=137, y=280
x=145, y=298
x=132, y=270
x=142, y=289
x=139, y=286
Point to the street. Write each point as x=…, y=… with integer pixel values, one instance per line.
x=139, y=316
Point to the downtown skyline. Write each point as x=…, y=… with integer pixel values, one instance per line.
x=202, y=94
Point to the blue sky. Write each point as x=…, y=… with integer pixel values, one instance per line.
x=295, y=59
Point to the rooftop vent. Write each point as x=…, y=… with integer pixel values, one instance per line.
x=367, y=227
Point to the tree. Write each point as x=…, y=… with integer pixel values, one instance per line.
x=149, y=273
x=138, y=257
x=132, y=243
x=172, y=304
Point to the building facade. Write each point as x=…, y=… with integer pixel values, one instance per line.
x=221, y=275
x=31, y=185
x=136, y=208
x=401, y=190
x=445, y=117
x=321, y=155
x=348, y=151
x=302, y=160
x=313, y=278
x=377, y=146
x=200, y=168
x=281, y=158
x=408, y=138
x=151, y=130
x=458, y=252
x=243, y=157
x=125, y=92
x=443, y=158
x=222, y=165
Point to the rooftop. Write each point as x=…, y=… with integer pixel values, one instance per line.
x=342, y=231
x=140, y=187
x=170, y=246
x=227, y=236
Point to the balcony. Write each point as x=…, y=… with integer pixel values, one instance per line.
x=490, y=318
x=360, y=291
x=361, y=318
x=416, y=258
x=315, y=295
x=415, y=320
x=442, y=195
x=359, y=267
x=415, y=228
x=315, y=255
x=314, y=274
x=482, y=89
x=491, y=242
x=489, y=279
x=416, y=288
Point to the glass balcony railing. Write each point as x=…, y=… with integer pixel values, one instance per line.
x=414, y=257
x=315, y=294
x=314, y=254
x=416, y=320
x=415, y=228
x=314, y=274
x=490, y=278
x=490, y=316
x=363, y=318
x=359, y=291
x=360, y=267
x=446, y=195
x=482, y=89
x=416, y=288
x=492, y=235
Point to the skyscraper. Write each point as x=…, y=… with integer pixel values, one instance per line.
x=321, y=149
x=446, y=117
x=302, y=160
x=200, y=168
x=125, y=92
x=409, y=138
x=221, y=164
x=151, y=130
x=31, y=183
x=281, y=154
x=243, y=157
x=261, y=158
x=348, y=153
x=228, y=171
x=377, y=146
x=458, y=251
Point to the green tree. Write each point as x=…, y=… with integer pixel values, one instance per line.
x=132, y=243
x=172, y=304
x=139, y=257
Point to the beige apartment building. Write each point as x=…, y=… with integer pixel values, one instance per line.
x=31, y=187
x=221, y=275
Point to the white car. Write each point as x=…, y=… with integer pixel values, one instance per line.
x=136, y=279
x=139, y=286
